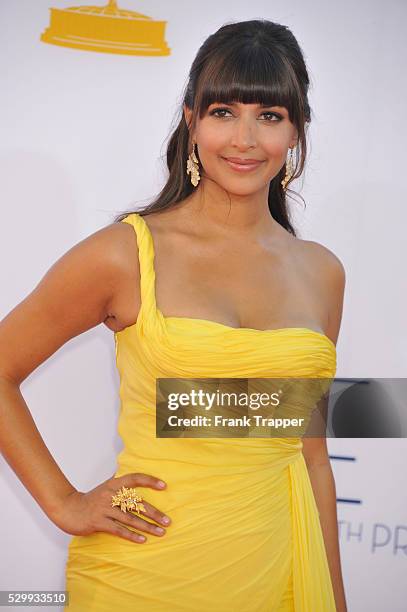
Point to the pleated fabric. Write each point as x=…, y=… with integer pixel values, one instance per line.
x=245, y=533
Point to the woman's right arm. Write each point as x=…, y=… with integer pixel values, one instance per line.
x=77, y=293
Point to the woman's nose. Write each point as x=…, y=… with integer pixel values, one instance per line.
x=244, y=133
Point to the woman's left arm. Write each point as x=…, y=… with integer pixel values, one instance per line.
x=315, y=449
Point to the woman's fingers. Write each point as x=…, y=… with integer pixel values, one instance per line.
x=155, y=514
x=130, y=519
x=110, y=526
x=139, y=479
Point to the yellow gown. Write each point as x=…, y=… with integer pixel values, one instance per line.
x=245, y=533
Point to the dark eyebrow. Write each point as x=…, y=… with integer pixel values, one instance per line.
x=272, y=106
x=259, y=105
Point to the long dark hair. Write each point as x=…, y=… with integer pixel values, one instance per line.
x=250, y=62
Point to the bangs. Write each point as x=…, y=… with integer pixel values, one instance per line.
x=249, y=75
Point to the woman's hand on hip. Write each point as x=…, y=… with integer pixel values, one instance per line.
x=91, y=512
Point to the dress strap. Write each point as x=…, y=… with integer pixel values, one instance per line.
x=146, y=261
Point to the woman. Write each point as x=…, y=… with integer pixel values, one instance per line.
x=210, y=280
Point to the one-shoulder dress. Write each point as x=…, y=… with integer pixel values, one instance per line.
x=245, y=534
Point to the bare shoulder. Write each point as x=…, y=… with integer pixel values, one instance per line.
x=111, y=252
x=109, y=246
x=329, y=273
x=119, y=242
x=323, y=261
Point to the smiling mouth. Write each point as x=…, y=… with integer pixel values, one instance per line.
x=243, y=166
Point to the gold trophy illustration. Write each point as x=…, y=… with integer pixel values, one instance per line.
x=106, y=29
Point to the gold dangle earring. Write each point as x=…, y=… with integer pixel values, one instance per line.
x=193, y=167
x=289, y=170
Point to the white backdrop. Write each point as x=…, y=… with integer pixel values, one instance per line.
x=82, y=134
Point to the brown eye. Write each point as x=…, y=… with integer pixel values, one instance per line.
x=219, y=110
x=278, y=117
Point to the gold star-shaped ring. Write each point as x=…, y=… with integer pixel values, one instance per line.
x=128, y=499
